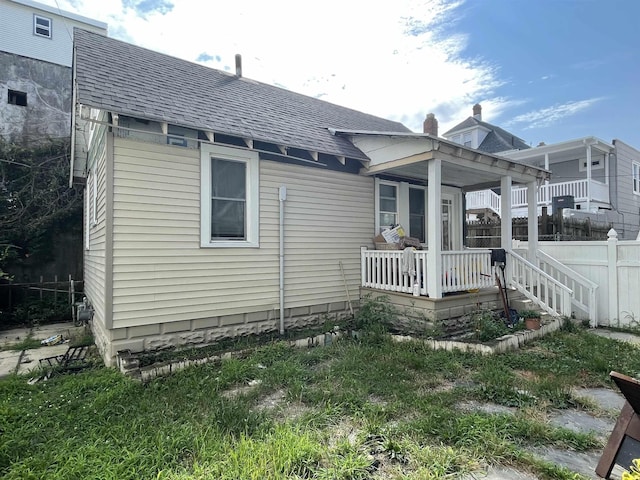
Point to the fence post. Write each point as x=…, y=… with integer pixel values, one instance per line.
x=41, y=286
x=612, y=271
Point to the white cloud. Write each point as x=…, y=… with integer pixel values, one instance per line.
x=390, y=59
x=547, y=116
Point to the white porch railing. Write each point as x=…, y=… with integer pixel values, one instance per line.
x=539, y=287
x=579, y=189
x=584, y=290
x=483, y=199
x=466, y=270
x=461, y=271
x=382, y=269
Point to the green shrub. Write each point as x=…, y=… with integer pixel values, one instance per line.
x=488, y=326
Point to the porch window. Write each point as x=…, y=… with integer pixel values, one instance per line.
x=388, y=205
x=417, y=214
x=636, y=177
x=229, y=195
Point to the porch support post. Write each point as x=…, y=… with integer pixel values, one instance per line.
x=434, y=233
x=588, y=178
x=532, y=223
x=505, y=213
x=546, y=166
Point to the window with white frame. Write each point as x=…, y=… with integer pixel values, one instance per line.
x=466, y=139
x=388, y=204
x=635, y=174
x=41, y=26
x=91, y=204
x=229, y=197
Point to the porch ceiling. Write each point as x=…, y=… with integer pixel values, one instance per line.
x=407, y=154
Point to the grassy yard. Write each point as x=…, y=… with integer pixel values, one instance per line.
x=358, y=409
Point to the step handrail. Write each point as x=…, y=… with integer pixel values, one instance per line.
x=538, y=286
x=579, y=283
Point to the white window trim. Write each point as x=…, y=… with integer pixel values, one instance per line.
x=251, y=159
x=635, y=177
x=36, y=26
x=379, y=182
x=94, y=201
x=91, y=205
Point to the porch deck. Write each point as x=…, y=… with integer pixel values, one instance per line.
x=457, y=282
x=447, y=311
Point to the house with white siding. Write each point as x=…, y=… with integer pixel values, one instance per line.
x=36, y=45
x=218, y=206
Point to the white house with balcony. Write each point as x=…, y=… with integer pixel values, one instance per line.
x=602, y=179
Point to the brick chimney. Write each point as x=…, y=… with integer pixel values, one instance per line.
x=477, y=112
x=430, y=125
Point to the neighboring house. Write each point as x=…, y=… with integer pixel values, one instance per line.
x=218, y=206
x=602, y=179
x=475, y=133
x=36, y=44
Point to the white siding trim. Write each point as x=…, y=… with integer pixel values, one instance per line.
x=251, y=160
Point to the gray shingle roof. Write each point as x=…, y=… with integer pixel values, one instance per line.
x=130, y=80
x=497, y=140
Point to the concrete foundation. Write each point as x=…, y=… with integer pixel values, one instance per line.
x=206, y=331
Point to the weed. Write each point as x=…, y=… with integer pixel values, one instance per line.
x=488, y=326
x=26, y=344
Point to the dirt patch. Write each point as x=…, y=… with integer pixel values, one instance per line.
x=527, y=375
x=344, y=430
x=240, y=390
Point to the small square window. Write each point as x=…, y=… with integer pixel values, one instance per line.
x=42, y=26
x=17, y=98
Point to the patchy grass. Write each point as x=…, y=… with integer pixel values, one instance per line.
x=25, y=344
x=365, y=409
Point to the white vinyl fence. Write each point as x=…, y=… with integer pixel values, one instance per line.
x=614, y=266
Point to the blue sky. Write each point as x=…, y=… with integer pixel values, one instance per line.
x=546, y=70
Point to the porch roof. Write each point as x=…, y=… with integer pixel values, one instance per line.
x=562, y=151
x=406, y=155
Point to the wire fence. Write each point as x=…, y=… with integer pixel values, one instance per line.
x=45, y=301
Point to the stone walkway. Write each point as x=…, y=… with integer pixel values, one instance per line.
x=576, y=420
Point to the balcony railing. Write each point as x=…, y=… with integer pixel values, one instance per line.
x=579, y=189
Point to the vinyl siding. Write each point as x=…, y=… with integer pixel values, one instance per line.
x=161, y=274
x=95, y=256
x=627, y=202
x=16, y=34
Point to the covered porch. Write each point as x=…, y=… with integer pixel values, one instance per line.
x=444, y=265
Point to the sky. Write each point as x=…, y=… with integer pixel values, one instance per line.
x=545, y=70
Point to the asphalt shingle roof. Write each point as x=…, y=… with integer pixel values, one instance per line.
x=134, y=81
x=497, y=140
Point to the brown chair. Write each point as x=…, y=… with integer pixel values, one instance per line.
x=624, y=442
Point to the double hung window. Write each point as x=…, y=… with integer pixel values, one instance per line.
x=229, y=197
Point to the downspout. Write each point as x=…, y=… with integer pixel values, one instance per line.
x=73, y=120
x=282, y=196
